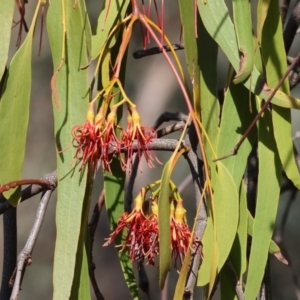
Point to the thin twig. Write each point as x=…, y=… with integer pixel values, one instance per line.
x=264, y=107
x=92, y=229
x=238, y=287
x=196, y=167
x=9, y=251
x=31, y=191
x=24, y=258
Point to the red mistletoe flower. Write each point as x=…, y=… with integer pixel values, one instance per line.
x=109, y=142
x=86, y=140
x=180, y=232
x=142, y=233
x=143, y=136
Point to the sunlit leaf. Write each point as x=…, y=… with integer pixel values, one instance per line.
x=217, y=22
x=226, y=210
x=274, y=58
x=14, y=112
x=268, y=189
x=6, y=17
x=164, y=224
x=65, y=23
x=112, y=12
x=243, y=29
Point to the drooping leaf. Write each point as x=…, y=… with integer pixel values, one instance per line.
x=14, y=112
x=164, y=224
x=238, y=254
x=262, y=12
x=66, y=30
x=216, y=19
x=81, y=280
x=6, y=17
x=243, y=29
x=208, y=242
x=268, y=189
x=274, y=58
x=112, y=13
x=274, y=248
x=226, y=210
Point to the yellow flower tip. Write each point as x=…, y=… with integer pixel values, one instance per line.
x=136, y=118
x=180, y=214
x=112, y=116
x=180, y=211
x=90, y=114
x=138, y=202
x=154, y=208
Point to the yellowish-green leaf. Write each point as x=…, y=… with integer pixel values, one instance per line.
x=14, y=111
x=6, y=17
x=238, y=254
x=66, y=26
x=262, y=11
x=216, y=19
x=243, y=29
x=112, y=13
x=273, y=248
x=208, y=242
x=164, y=224
x=268, y=189
x=274, y=58
x=226, y=210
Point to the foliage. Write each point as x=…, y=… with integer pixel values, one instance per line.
x=90, y=137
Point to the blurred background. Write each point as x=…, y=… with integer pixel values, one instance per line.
x=152, y=86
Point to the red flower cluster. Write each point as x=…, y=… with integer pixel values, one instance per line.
x=97, y=139
x=142, y=235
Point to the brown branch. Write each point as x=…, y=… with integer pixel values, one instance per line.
x=238, y=286
x=92, y=229
x=24, y=258
x=196, y=167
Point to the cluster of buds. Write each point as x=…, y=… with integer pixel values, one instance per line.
x=141, y=234
x=100, y=138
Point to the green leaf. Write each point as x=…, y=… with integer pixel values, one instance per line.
x=6, y=17
x=262, y=12
x=238, y=112
x=268, y=189
x=71, y=86
x=208, y=242
x=274, y=58
x=112, y=13
x=226, y=210
x=238, y=254
x=191, y=50
x=164, y=223
x=81, y=281
x=216, y=19
x=243, y=29
x=14, y=113
x=273, y=248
